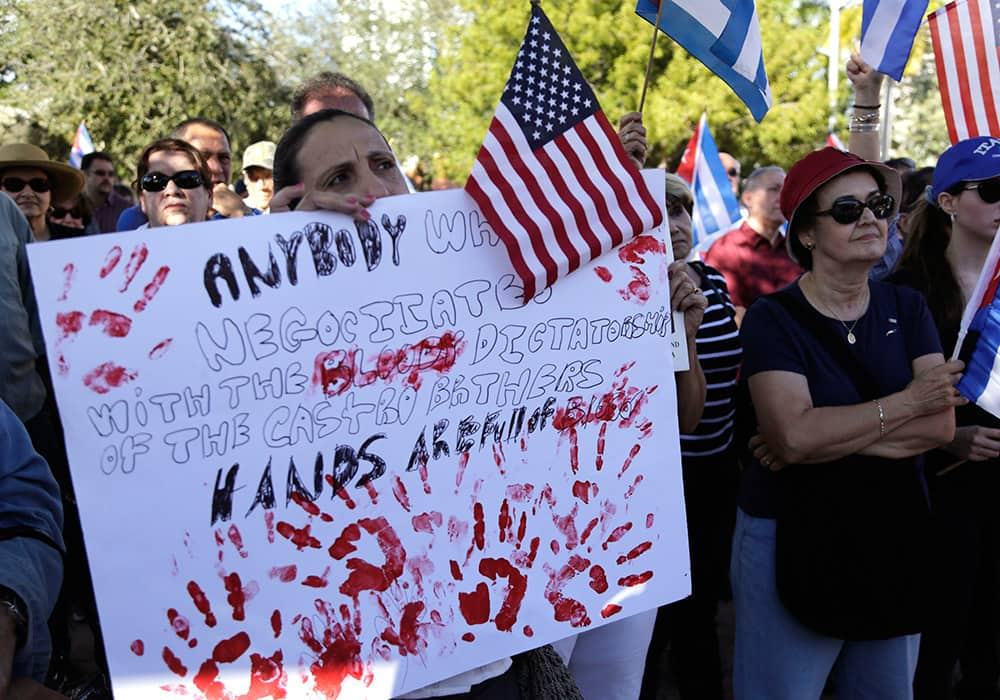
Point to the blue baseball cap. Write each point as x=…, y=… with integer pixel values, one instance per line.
x=967, y=161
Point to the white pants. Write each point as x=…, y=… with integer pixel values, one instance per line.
x=607, y=663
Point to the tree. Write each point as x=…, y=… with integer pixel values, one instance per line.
x=918, y=127
x=390, y=48
x=138, y=68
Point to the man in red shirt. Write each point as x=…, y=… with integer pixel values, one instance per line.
x=753, y=257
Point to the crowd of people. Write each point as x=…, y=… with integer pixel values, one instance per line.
x=837, y=485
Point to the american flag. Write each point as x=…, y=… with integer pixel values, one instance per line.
x=552, y=177
x=966, y=39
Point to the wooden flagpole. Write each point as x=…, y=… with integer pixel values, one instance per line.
x=652, y=48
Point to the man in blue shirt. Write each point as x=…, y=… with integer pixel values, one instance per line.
x=30, y=559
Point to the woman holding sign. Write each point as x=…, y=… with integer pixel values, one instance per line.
x=338, y=161
x=951, y=230
x=850, y=387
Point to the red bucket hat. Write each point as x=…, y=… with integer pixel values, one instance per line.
x=818, y=168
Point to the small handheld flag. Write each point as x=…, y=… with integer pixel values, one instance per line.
x=552, y=177
x=888, y=28
x=716, y=208
x=980, y=331
x=834, y=142
x=82, y=145
x=722, y=34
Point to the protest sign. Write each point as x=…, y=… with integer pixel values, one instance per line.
x=320, y=458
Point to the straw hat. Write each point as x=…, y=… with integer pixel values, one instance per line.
x=66, y=181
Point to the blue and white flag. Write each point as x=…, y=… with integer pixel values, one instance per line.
x=979, y=337
x=888, y=28
x=725, y=36
x=82, y=145
x=716, y=208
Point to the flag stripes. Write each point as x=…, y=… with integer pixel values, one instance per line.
x=725, y=36
x=964, y=37
x=888, y=28
x=552, y=176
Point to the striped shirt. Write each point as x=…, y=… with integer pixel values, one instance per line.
x=720, y=355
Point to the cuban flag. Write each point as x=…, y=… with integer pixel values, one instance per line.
x=716, y=208
x=979, y=338
x=888, y=28
x=82, y=145
x=833, y=142
x=725, y=36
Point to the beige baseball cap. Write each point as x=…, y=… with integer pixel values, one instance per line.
x=259, y=155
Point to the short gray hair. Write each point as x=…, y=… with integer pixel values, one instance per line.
x=750, y=182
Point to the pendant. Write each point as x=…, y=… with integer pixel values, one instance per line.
x=850, y=338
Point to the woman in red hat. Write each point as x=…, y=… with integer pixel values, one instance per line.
x=951, y=229
x=850, y=386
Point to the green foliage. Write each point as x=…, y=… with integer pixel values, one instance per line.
x=918, y=126
x=435, y=69
x=610, y=45
x=390, y=51
x=138, y=68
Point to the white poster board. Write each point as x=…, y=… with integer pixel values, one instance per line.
x=332, y=460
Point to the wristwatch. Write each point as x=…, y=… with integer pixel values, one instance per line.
x=12, y=606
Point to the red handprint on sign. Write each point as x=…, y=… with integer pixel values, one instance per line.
x=113, y=324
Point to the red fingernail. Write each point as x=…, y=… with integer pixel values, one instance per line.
x=352, y=201
x=365, y=214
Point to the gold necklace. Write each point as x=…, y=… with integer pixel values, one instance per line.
x=851, y=338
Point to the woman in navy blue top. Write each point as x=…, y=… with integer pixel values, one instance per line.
x=811, y=412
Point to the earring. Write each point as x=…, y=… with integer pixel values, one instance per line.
x=809, y=246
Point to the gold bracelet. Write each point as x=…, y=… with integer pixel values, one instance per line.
x=881, y=418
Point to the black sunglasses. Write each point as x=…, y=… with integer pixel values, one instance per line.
x=157, y=182
x=60, y=212
x=847, y=210
x=16, y=184
x=733, y=172
x=989, y=190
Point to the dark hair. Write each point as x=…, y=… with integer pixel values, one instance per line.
x=924, y=263
x=901, y=162
x=83, y=205
x=174, y=146
x=124, y=191
x=805, y=215
x=89, y=158
x=324, y=82
x=915, y=183
x=178, y=132
x=286, y=168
